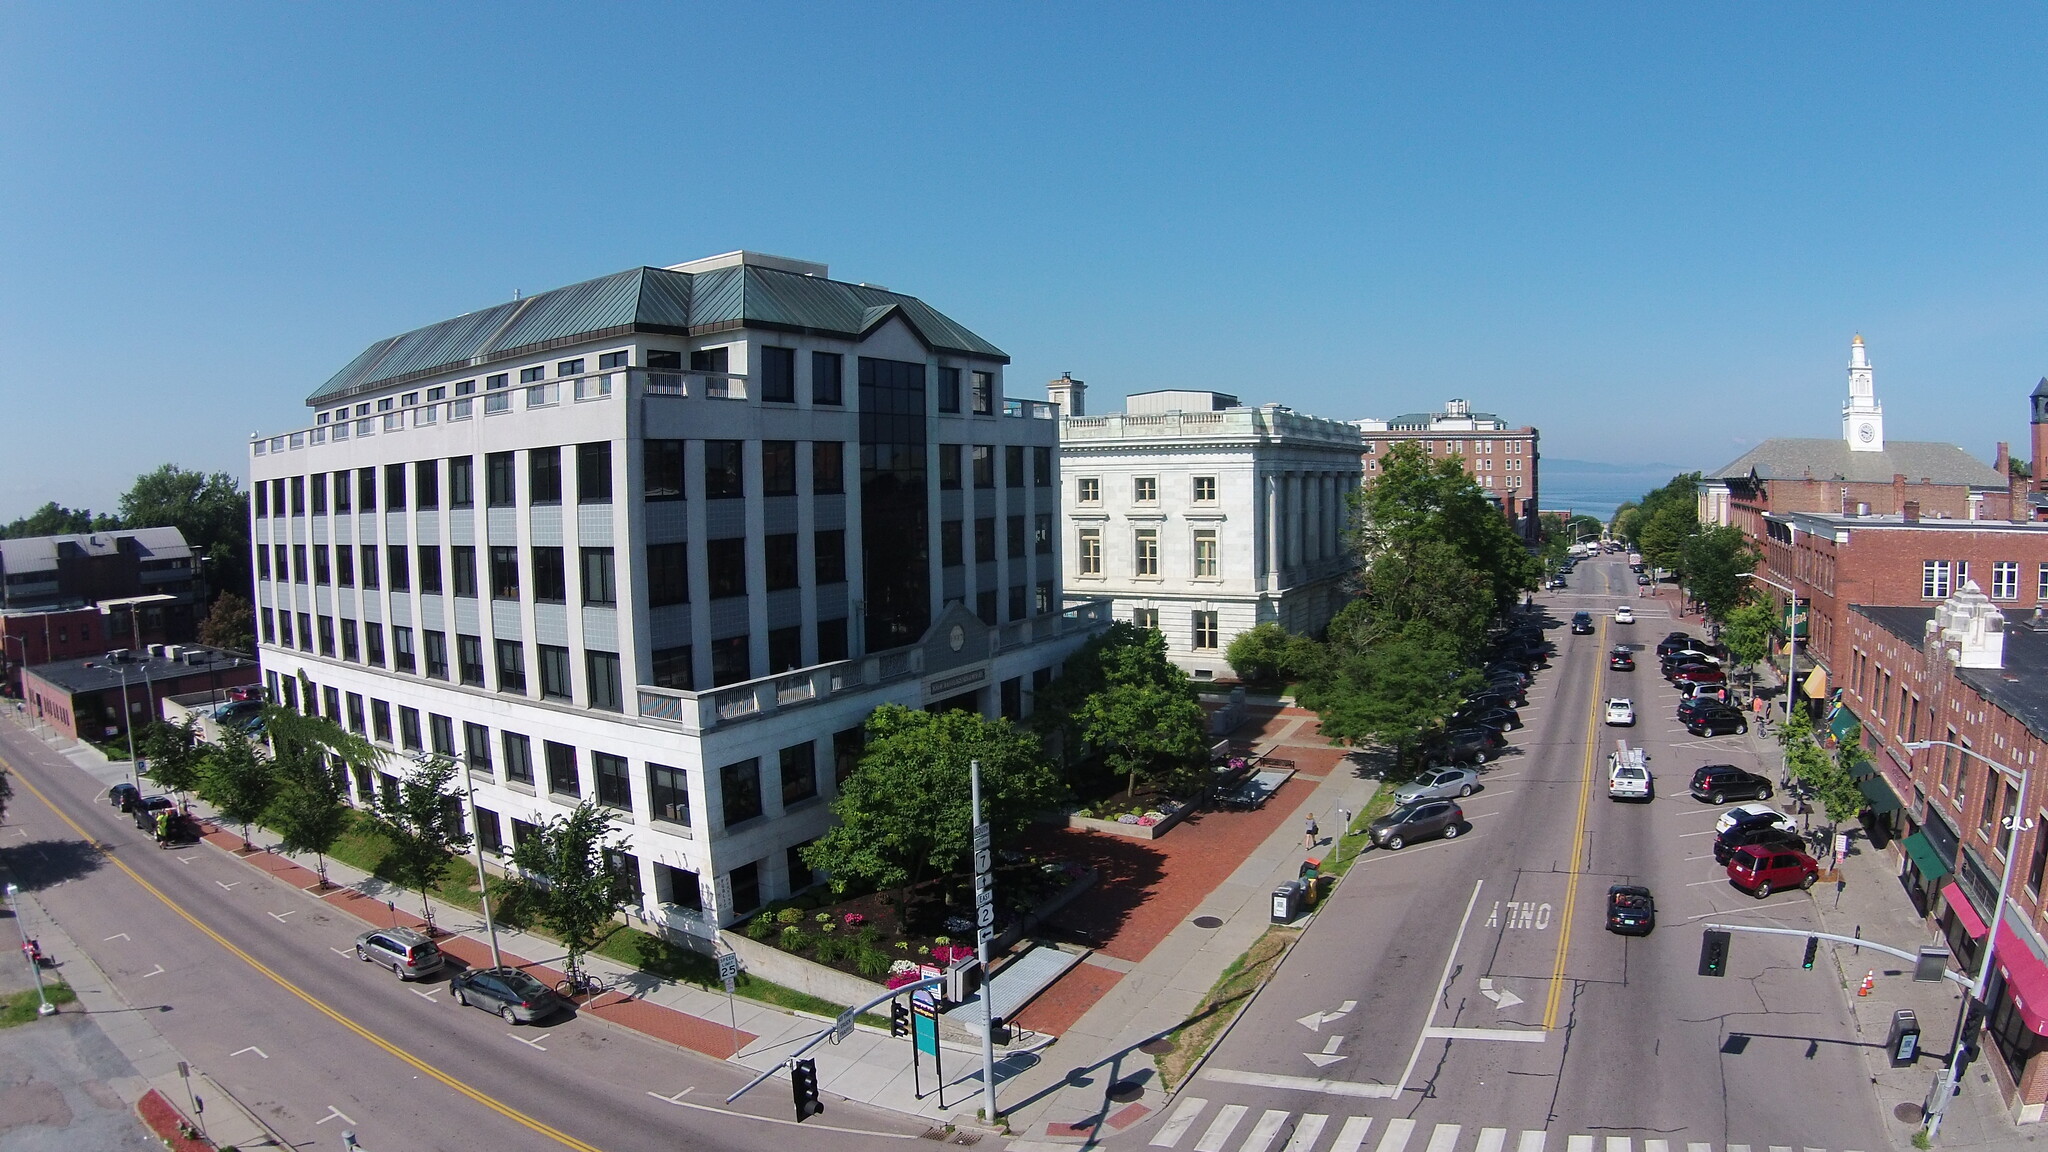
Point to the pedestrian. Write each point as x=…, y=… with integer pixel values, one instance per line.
x=1311, y=835
x=163, y=826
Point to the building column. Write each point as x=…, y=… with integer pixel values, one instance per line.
x=1272, y=532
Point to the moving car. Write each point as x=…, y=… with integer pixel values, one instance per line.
x=1717, y=720
x=1437, y=784
x=1753, y=814
x=1762, y=833
x=408, y=953
x=509, y=992
x=1418, y=821
x=1557, y=582
x=1628, y=774
x=1718, y=783
x=1621, y=712
x=1761, y=871
x=1631, y=911
x=1582, y=623
x=1621, y=660
x=1624, y=615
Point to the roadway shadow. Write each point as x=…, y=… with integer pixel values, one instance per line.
x=39, y=864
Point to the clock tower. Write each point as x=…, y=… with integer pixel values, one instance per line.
x=1862, y=416
x=2040, y=430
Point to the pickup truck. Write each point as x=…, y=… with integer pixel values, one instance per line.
x=1628, y=773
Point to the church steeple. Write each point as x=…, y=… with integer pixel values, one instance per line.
x=1862, y=416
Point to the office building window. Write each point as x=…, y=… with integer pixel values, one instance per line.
x=355, y=715
x=1205, y=489
x=350, y=651
x=401, y=649
x=785, y=649
x=490, y=833
x=668, y=574
x=985, y=607
x=745, y=882
x=476, y=746
x=366, y=489
x=594, y=473
x=949, y=389
x=409, y=728
x=344, y=565
x=262, y=499
x=263, y=556
x=894, y=483
x=726, y=561
x=1041, y=467
x=778, y=467
x=831, y=640
x=780, y=553
x=319, y=488
x=600, y=578
x=606, y=691
x=380, y=720
x=441, y=735
x=518, y=757
x=799, y=773
x=426, y=484
x=321, y=573
x=741, y=787
x=731, y=662
x=2005, y=580
x=1205, y=630
x=1088, y=557
x=984, y=539
x=1088, y=490
x=984, y=465
x=661, y=469
x=397, y=573
x=461, y=481
x=1042, y=601
x=952, y=550
x=983, y=385
x=504, y=573
x=430, y=569
x=674, y=668
x=1145, y=489
x=300, y=572
x=1016, y=537
x=723, y=477
x=778, y=375
x=501, y=485
x=563, y=777
x=512, y=666
x=847, y=746
x=1146, y=548
x=269, y=628
x=462, y=569
x=550, y=576
x=554, y=673
x=668, y=794
x=828, y=467
x=828, y=378
x=298, y=495
x=394, y=487
x=1934, y=579
x=341, y=491
x=544, y=475
x=614, y=790
x=829, y=556
x=1018, y=599
x=470, y=651
x=1013, y=466
x=327, y=635
x=305, y=631
x=949, y=466
x=1145, y=618
x=1041, y=534
x=373, y=643
x=1205, y=554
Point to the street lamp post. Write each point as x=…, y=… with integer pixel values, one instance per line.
x=128, y=725
x=476, y=844
x=1791, y=639
x=43, y=1005
x=2016, y=824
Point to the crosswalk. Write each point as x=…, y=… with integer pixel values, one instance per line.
x=1304, y=1133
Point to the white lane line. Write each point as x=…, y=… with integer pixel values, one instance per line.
x=159, y=971
x=1747, y=911
x=535, y=1042
x=334, y=1113
x=1177, y=1125
x=1303, y=1084
x=1351, y=1137
x=1267, y=1130
x=1520, y=1035
x=279, y=916
x=1305, y=1133
x=1697, y=859
x=426, y=994
x=1443, y=981
x=228, y=887
x=252, y=1048
x=1700, y=883
x=1397, y=1135
x=1220, y=1128
x=340, y=951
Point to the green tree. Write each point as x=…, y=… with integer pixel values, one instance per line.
x=1828, y=776
x=211, y=511
x=1748, y=633
x=573, y=881
x=1716, y=560
x=1426, y=583
x=176, y=759
x=1147, y=731
x=1262, y=654
x=423, y=822
x=230, y=624
x=1122, y=655
x=904, y=813
x=237, y=781
x=312, y=757
x=53, y=519
x=1418, y=498
x=1395, y=691
x=1658, y=524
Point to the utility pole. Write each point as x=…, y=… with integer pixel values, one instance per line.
x=984, y=917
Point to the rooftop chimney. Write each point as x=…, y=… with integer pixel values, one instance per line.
x=1972, y=628
x=1069, y=395
x=1910, y=511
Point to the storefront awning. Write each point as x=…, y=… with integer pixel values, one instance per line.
x=1842, y=722
x=1965, y=914
x=1878, y=791
x=1816, y=686
x=1925, y=857
x=2026, y=978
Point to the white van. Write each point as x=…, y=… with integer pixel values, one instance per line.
x=1628, y=773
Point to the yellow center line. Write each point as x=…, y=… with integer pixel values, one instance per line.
x=417, y=1064
x=1571, y=887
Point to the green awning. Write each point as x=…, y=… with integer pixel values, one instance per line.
x=1879, y=792
x=1925, y=858
x=1862, y=770
x=1842, y=723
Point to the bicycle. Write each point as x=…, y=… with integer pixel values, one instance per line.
x=581, y=983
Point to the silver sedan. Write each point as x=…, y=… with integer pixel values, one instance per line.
x=1438, y=784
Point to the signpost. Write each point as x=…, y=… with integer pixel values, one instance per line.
x=728, y=971
x=924, y=1040
x=985, y=928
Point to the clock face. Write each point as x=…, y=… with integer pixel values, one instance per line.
x=1866, y=432
x=958, y=638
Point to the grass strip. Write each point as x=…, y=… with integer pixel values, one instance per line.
x=20, y=1008
x=1354, y=841
x=1191, y=1040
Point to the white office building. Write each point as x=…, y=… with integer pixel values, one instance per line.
x=1201, y=517
x=663, y=540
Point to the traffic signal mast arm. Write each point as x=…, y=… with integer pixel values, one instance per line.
x=1853, y=941
x=840, y=1027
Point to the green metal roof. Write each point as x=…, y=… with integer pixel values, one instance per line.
x=648, y=300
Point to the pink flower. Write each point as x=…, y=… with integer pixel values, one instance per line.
x=899, y=979
x=853, y=918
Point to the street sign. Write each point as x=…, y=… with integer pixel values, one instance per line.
x=721, y=892
x=924, y=1025
x=728, y=966
x=981, y=861
x=981, y=837
x=728, y=985
x=843, y=1027
x=985, y=916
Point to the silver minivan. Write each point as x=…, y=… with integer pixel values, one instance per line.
x=407, y=952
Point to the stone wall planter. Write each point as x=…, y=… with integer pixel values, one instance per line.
x=1134, y=831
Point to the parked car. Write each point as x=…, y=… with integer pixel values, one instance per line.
x=1720, y=783
x=1582, y=623
x=145, y=811
x=1621, y=660
x=1418, y=821
x=1675, y=642
x=1753, y=814
x=1466, y=745
x=408, y=953
x=1621, y=712
x=509, y=992
x=1689, y=706
x=1700, y=690
x=1699, y=674
x=123, y=796
x=1501, y=673
x=1631, y=911
x=1761, y=871
x=1501, y=694
x=1717, y=720
x=1764, y=834
x=1624, y=615
x=1437, y=784
x=1500, y=719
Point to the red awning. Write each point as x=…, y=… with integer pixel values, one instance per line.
x=2026, y=978
x=1966, y=915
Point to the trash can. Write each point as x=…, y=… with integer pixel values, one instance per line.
x=1904, y=1044
x=1287, y=900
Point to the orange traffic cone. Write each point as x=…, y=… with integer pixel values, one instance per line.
x=1869, y=982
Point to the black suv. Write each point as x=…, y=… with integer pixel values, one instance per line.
x=1763, y=833
x=1675, y=642
x=1466, y=745
x=1582, y=623
x=1717, y=720
x=1720, y=783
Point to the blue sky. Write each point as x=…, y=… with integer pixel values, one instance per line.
x=1649, y=231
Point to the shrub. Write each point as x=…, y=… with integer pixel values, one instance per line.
x=758, y=928
x=789, y=916
x=793, y=939
x=823, y=917
x=872, y=962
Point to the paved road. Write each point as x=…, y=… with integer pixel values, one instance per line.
x=253, y=982
x=1464, y=993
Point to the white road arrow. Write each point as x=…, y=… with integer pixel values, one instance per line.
x=1314, y=1021
x=1328, y=1055
x=1502, y=998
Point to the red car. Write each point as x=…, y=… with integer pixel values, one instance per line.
x=1699, y=674
x=1761, y=869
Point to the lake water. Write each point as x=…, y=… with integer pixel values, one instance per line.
x=1595, y=489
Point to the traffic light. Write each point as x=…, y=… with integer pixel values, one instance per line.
x=803, y=1086
x=899, y=1018
x=1812, y=950
x=1714, y=952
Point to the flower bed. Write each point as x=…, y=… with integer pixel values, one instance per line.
x=169, y=1124
x=1150, y=823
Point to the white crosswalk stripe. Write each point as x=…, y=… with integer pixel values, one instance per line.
x=1265, y=1131
x=1396, y=1134
x=1305, y=1133
x=1183, y=1118
x=1578, y=1144
x=1221, y=1128
x=1351, y=1137
x=1444, y=1139
x=1491, y=1140
x=1531, y=1142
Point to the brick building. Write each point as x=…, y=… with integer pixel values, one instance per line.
x=64, y=597
x=101, y=697
x=1500, y=459
x=1960, y=672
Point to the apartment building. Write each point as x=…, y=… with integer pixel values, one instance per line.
x=1202, y=518
x=1501, y=459
x=664, y=539
x=74, y=596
